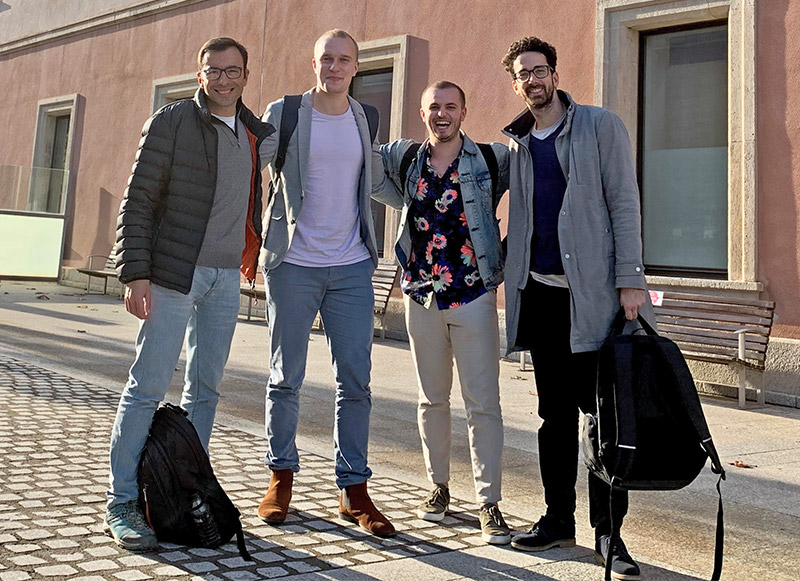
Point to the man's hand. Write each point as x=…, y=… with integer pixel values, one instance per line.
x=137, y=298
x=631, y=299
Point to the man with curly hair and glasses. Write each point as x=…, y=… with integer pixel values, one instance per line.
x=574, y=259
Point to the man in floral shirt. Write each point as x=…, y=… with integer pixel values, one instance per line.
x=449, y=248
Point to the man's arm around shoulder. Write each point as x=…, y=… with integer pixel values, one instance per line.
x=392, y=157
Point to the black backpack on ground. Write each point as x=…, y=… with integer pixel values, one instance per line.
x=178, y=492
x=650, y=432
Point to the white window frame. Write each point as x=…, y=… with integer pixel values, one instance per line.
x=48, y=111
x=619, y=23
x=171, y=88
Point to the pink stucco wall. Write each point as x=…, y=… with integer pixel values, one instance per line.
x=778, y=44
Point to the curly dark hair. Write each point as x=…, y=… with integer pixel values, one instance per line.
x=529, y=44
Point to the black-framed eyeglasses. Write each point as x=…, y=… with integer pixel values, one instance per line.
x=539, y=71
x=213, y=73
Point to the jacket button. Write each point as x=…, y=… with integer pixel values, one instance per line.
x=293, y=221
x=563, y=213
x=566, y=256
x=638, y=269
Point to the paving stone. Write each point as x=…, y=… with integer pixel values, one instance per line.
x=68, y=557
x=302, y=567
x=22, y=548
x=14, y=576
x=98, y=565
x=272, y=572
x=137, y=561
x=132, y=575
x=240, y=575
x=169, y=571
x=200, y=567
x=56, y=571
x=27, y=560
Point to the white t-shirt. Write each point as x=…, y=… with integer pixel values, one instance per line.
x=328, y=230
x=229, y=121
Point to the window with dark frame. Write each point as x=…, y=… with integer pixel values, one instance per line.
x=374, y=87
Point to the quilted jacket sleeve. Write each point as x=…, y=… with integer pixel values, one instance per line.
x=144, y=197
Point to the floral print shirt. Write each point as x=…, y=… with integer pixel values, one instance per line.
x=442, y=264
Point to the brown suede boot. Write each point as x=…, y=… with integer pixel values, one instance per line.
x=356, y=506
x=275, y=504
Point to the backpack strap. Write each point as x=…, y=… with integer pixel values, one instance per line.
x=373, y=120
x=494, y=171
x=405, y=163
x=240, y=543
x=291, y=104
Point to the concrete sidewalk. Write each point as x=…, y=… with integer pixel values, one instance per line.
x=63, y=359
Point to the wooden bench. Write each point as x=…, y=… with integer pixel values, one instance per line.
x=728, y=330
x=253, y=294
x=383, y=280
x=108, y=271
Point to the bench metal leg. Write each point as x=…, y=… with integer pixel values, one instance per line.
x=742, y=385
x=249, y=307
x=760, y=395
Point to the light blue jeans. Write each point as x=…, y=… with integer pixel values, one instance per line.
x=206, y=318
x=343, y=297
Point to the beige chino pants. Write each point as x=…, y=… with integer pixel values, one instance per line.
x=469, y=334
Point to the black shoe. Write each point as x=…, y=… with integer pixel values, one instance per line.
x=622, y=564
x=546, y=534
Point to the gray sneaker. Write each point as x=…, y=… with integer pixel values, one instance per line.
x=435, y=506
x=125, y=523
x=494, y=529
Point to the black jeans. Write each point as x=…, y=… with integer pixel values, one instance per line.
x=566, y=383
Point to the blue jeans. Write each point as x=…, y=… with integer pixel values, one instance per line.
x=343, y=297
x=206, y=317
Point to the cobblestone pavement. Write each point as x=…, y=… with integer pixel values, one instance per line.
x=54, y=433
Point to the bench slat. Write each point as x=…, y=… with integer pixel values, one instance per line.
x=701, y=334
x=716, y=308
x=718, y=325
x=671, y=295
x=715, y=350
x=745, y=320
x=751, y=349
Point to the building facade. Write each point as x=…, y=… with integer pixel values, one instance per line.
x=707, y=89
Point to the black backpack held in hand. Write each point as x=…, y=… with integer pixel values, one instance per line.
x=650, y=432
x=178, y=492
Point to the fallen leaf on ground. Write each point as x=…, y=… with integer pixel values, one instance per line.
x=742, y=464
x=83, y=307
x=519, y=377
x=42, y=297
x=81, y=330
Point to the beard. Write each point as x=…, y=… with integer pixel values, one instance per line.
x=542, y=100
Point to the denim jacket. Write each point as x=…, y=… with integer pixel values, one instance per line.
x=476, y=191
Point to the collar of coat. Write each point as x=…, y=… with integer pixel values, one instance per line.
x=523, y=123
x=253, y=123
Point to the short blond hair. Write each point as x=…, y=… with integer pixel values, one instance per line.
x=337, y=33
